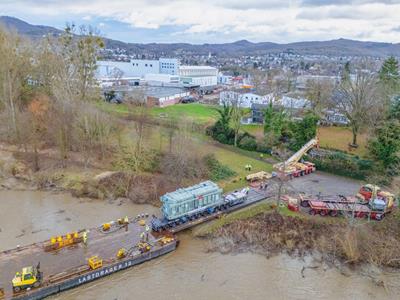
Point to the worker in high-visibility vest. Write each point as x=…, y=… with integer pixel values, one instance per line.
x=85, y=237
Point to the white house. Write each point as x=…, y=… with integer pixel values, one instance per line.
x=245, y=100
x=292, y=103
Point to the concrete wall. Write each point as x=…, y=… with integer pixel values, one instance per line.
x=169, y=66
x=202, y=81
x=141, y=67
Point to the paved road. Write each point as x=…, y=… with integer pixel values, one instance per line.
x=324, y=183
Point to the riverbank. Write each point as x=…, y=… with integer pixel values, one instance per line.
x=334, y=240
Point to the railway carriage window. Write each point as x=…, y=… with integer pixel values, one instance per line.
x=28, y=277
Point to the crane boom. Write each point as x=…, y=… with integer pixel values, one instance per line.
x=298, y=155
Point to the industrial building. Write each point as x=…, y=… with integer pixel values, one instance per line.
x=141, y=67
x=164, y=71
x=153, y=95
x=203, y=76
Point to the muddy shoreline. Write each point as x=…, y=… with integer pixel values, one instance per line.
x=367, y=249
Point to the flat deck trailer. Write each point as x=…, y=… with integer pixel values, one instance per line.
x=334, y=209
x=305, y=200
x=68, y=267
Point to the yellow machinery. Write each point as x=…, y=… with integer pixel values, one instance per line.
x=106, y=226
x=288, y=165
x=259, y=176
x=165, y=240
x=143, y=247
x=28, y=278
x=123, y=221
x=58, y=242
x=121, y=253
x=95, y=262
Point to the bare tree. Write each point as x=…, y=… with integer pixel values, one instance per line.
x=236, y=118
x=356, y=98
x=15, y=65
x=319, y=92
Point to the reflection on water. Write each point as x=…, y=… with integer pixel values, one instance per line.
x=188, y=273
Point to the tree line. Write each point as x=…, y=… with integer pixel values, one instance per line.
x=47, y=93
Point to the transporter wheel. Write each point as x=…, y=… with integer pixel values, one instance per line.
x=312, y=212
x=379, y=217
x=304, y=203
x=333, y=213
x=323, y=212
x=17, y=289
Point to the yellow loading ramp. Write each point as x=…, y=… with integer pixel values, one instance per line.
x=259, y=176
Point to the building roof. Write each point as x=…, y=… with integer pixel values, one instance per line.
x=152, y=91
x=194, y=191
x=258, y=106
x=197, y=68
x=293, y=103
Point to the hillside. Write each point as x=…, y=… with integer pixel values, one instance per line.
x=22, y=27
x=339, y=47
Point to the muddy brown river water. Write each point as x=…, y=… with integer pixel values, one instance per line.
x=188, y=273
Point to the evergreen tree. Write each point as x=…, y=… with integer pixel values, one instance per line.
x=389, y=73
x=385, y=146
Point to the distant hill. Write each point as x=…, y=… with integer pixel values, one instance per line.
x=339, y=47
x=33, y=31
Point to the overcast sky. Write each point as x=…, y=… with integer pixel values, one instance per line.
x=210, y=21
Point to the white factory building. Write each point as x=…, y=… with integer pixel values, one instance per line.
x=203, y=76
x=164, y=71
x=141, y=67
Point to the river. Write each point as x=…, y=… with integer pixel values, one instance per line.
x=188, y=273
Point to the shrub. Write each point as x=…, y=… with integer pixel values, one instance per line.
x=343, y=164
x=248, y=143
x=217, y=171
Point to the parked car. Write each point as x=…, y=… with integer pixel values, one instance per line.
x=188, y=99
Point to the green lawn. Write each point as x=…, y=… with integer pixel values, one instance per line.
x=236, y=160
x=329, y=137
x=339, y=138
x=256, y=130
x=198, y=113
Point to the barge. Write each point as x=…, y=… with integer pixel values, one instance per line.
x=80, y=257
x=68, y=267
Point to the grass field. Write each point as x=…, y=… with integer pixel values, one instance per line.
x=237, y=161
x=339, y=138
x=198, y=113
x=329, y=137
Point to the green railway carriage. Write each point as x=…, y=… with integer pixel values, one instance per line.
x=195, y=199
